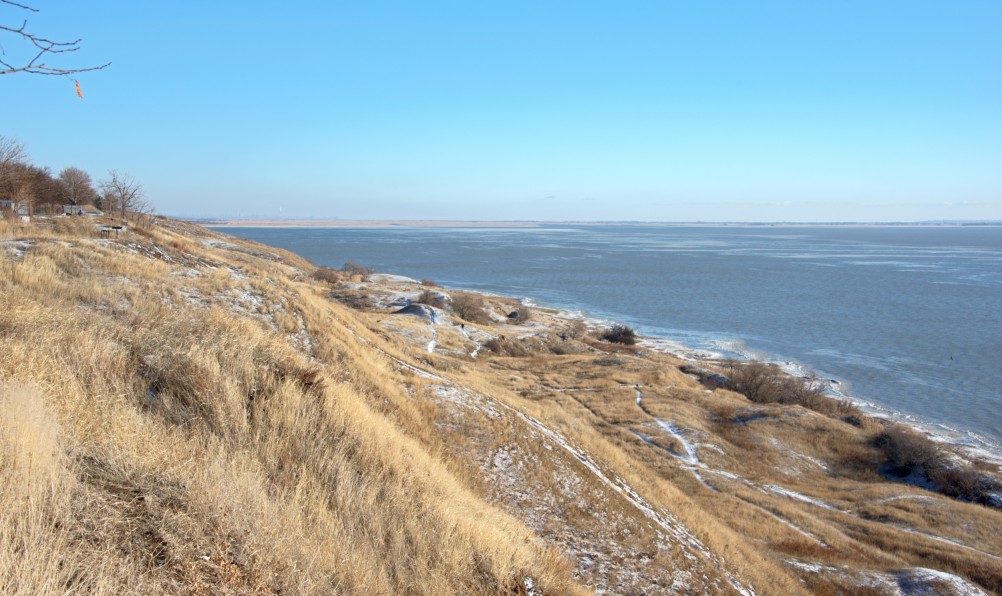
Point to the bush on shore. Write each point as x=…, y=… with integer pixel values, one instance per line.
x=767, y=384
x=909, y=453
x=327, y=275
x=620, y=334
x=469, y=307
x=358, y=269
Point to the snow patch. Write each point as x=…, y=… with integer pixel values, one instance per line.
x=390, y=277
x=18, y=248
x=799, y=497
x=921, y=580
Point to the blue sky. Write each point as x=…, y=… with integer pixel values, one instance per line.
x=669, y=111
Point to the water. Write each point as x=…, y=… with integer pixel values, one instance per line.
x=907, y=317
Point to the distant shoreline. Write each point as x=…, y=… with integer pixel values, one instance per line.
x=376, y=223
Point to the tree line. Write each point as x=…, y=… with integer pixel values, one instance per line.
x=29, y=189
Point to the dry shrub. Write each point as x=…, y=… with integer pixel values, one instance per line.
x=965, y=483
x=613, y=348
x=469, y=307
x=431, y=298
x=909, y=452
x=522, y=314
x=765, y=383
x=620, y=334
x=358, y=269
x=906, y=449
x=503, y=346
x=562, y=345
x=430, y=283
x=327, y=275
x=575, y=329
x=353, y=298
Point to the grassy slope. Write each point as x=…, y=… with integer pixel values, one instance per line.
x=152, y=444
x=187, y=412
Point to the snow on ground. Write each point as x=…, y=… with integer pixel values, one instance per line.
x=695, y=465
x=921, y=580
x=798, y=462
x=663, y=519
x=189, y=272
x=17, y=248
x=948, y=541
x=798, y=496
x=466, y=398
x=389, y=277
x=434, y=338
x=918, y=581
x=688, y=454
x=211, y=243
x=476, y=349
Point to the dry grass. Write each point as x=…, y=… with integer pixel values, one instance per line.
x=182, y=411
x=175, y=439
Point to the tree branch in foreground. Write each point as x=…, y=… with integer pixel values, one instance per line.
x=43, y=48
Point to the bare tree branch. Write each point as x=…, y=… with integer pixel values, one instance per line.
x=43, y=49
x=19, y=5
x=123, y=193
x=12, y=155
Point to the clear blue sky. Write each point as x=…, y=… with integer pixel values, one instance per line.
x=678, y=111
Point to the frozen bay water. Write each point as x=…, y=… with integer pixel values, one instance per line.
x=909, y=318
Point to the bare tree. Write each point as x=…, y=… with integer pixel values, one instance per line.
x=29, y=187
x=12, y=154
x=124, y=193
x=13, y=159
x=39, y=49
x=78, y=188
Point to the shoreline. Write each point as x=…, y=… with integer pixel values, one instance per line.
x=432, y=223
x=967, y=442
x=710, y=349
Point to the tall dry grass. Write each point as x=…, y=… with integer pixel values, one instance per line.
x=172, y=441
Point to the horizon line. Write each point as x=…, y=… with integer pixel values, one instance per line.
x=336, y=222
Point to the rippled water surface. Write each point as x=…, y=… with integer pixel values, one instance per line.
x=908, y=317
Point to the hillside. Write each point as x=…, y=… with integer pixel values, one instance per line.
x=184, y=411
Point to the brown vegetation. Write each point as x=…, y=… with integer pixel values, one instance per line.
x=327, y=275
x=912, y=454
x=357, y=269
x=160, y=431
x=431, y=298
x=765, y=383
x=182, y=411
x=469, y=307
x=522, y=314
x=620, y=334
x=505, y=347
